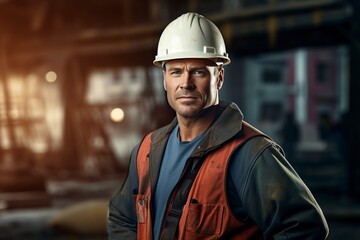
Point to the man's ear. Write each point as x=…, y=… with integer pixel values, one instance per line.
x=164, y=80
x=220, y=78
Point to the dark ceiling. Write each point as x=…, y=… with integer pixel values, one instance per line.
x=36, y=29
x=46, y=17
x=33, y=30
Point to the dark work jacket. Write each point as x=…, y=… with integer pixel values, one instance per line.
x=270, y=194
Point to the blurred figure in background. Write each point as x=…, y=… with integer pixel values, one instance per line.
x=326, y=127
x=208, y=174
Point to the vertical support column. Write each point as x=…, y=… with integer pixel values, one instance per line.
x=10, y=161
x=354, y=133
x=301, y=85
x=343, y=76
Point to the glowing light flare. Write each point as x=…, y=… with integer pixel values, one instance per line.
x=51, y=76
x=117, y=115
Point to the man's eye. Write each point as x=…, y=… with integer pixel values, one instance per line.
x=175, y=73
x=199, y=73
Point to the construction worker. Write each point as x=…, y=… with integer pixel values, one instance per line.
x=208, y=174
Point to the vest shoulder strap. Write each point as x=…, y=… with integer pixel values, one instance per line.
x=142, y=163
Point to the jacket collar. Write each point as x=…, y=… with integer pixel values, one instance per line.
x=227, y=124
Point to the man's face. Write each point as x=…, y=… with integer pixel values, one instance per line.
x=192, y=85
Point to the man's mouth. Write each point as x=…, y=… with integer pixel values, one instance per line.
x=186, y=97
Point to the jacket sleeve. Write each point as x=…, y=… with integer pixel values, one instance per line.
x=122, y=221
x=275, y=197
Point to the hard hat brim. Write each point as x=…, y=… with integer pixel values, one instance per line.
x=220, y=60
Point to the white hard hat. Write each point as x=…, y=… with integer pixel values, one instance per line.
x=191, y=36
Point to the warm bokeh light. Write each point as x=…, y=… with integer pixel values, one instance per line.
x=117, y=115
x=51, y=76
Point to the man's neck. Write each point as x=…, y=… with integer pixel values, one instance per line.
x=190, y=128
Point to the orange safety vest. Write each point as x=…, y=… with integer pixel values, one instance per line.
x=206, y=214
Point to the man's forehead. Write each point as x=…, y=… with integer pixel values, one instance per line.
x=190, y=62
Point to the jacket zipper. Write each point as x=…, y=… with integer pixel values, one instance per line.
x=174, y=191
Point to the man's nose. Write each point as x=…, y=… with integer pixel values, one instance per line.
x=187, y=81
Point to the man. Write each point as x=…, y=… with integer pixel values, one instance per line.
x=208, y=174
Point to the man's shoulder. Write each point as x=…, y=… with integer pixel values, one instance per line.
x=252, y=149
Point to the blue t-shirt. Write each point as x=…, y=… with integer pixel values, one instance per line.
x=175, y=156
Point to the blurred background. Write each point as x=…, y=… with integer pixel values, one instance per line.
x=78, y=90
